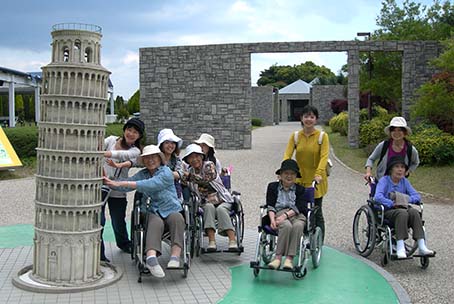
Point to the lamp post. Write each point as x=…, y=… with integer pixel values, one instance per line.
x=369, y=68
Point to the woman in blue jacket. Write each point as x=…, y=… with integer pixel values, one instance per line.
x=156, y=182
x=395, y=193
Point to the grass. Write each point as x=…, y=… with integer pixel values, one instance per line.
x=434, y=180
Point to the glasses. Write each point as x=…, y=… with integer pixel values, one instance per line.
x=397, y=129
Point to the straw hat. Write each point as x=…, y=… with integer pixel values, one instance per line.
x=152, y=149
x=206, y=139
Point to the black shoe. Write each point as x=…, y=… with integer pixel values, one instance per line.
x=105, y=259
x=126, y=249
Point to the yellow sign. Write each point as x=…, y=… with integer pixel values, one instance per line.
x=8, y=157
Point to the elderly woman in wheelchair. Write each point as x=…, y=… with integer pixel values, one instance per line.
x=156, y=182
x=204, y=180
x=396, y=194
x=289, y=215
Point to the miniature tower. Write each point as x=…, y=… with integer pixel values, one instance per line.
x=66, y=252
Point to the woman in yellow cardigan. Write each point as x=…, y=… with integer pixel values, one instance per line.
x=312, y=158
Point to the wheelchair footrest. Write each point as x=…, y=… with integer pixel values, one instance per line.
x=425, y=255
x=235, y=250
x=294, y=269
x=395, y=258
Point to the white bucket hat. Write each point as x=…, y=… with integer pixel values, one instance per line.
x=193, y=148
x=152, y=149
x=398, y=122
x=167, y=134
x=206, y=139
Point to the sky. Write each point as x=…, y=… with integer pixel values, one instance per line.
x=25, y=29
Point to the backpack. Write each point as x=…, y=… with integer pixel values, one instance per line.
x=386, y=146
x=329, y=165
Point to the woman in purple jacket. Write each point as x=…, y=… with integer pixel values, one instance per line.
x=395, y=193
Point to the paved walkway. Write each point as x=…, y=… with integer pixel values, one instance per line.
x=210, y=278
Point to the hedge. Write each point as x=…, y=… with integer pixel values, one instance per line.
x=25, y=139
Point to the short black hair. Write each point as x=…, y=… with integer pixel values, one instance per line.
x=309, y=109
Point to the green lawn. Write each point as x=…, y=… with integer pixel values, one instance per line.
x=434, y=180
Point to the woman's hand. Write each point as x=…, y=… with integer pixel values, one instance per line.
x=107, y=181
x=318, y=179
x=273, y=224
x=111, y=163
x=368, y=174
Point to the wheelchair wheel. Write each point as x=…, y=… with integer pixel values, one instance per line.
x=256, y=271
x=316, y=246
x=364, y=231
x=386, y=254
x=298, y=275
x=424, y=262
x=269, y=246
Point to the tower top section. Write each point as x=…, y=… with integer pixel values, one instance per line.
x=78, y=27
x=76, y=43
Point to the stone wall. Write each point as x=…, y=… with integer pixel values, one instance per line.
x=321, y=97
x=207, y=88
x=262, y=104
x=197, y=89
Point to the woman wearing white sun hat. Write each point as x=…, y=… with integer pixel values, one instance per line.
x=170, y=145
x=206, y=142
x=156, y=182
x=204, y=180
x=396, y=145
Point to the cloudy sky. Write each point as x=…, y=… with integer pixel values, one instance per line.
x=25, y=28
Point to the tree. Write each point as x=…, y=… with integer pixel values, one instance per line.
x=134, y=103
x=281, y=76
x=410, y=21
x=436, y=98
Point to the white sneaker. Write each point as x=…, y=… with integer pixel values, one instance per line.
x=211, y=246
x=401, y=254
x=233, y=245
x=425, y=251
x=173, y=264
x=156, y=271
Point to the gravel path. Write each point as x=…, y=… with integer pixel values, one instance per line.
x=254, y=169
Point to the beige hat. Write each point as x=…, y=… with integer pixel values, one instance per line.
x=193, y=148
x=398, y=122
x=167, y=134
x=206, y=139
x=152, y=149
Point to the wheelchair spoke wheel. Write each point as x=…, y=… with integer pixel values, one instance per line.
x=269, y=246
x=316, y=246
x=364, y=231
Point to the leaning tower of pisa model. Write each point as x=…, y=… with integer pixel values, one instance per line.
x=66, y=250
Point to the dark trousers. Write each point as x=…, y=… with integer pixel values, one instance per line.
x=319, y=220
x=117, y=210
x=404, y=219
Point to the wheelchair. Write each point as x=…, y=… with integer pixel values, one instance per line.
x=139, y=224
x=310, y=246
x=372, y=230
x=198, y=241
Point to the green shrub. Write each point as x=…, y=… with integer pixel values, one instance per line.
x=257, y=122
x=23, y=139
x=434, y=146
x=372, y=132
x=114, y=129
x=339, y=123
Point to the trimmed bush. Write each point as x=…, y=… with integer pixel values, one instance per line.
x=23, y=139
x=339, y=105
x=339, y=123
x=434, y=146
x=257, y=122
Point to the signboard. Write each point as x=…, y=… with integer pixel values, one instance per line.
x=8, y=157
